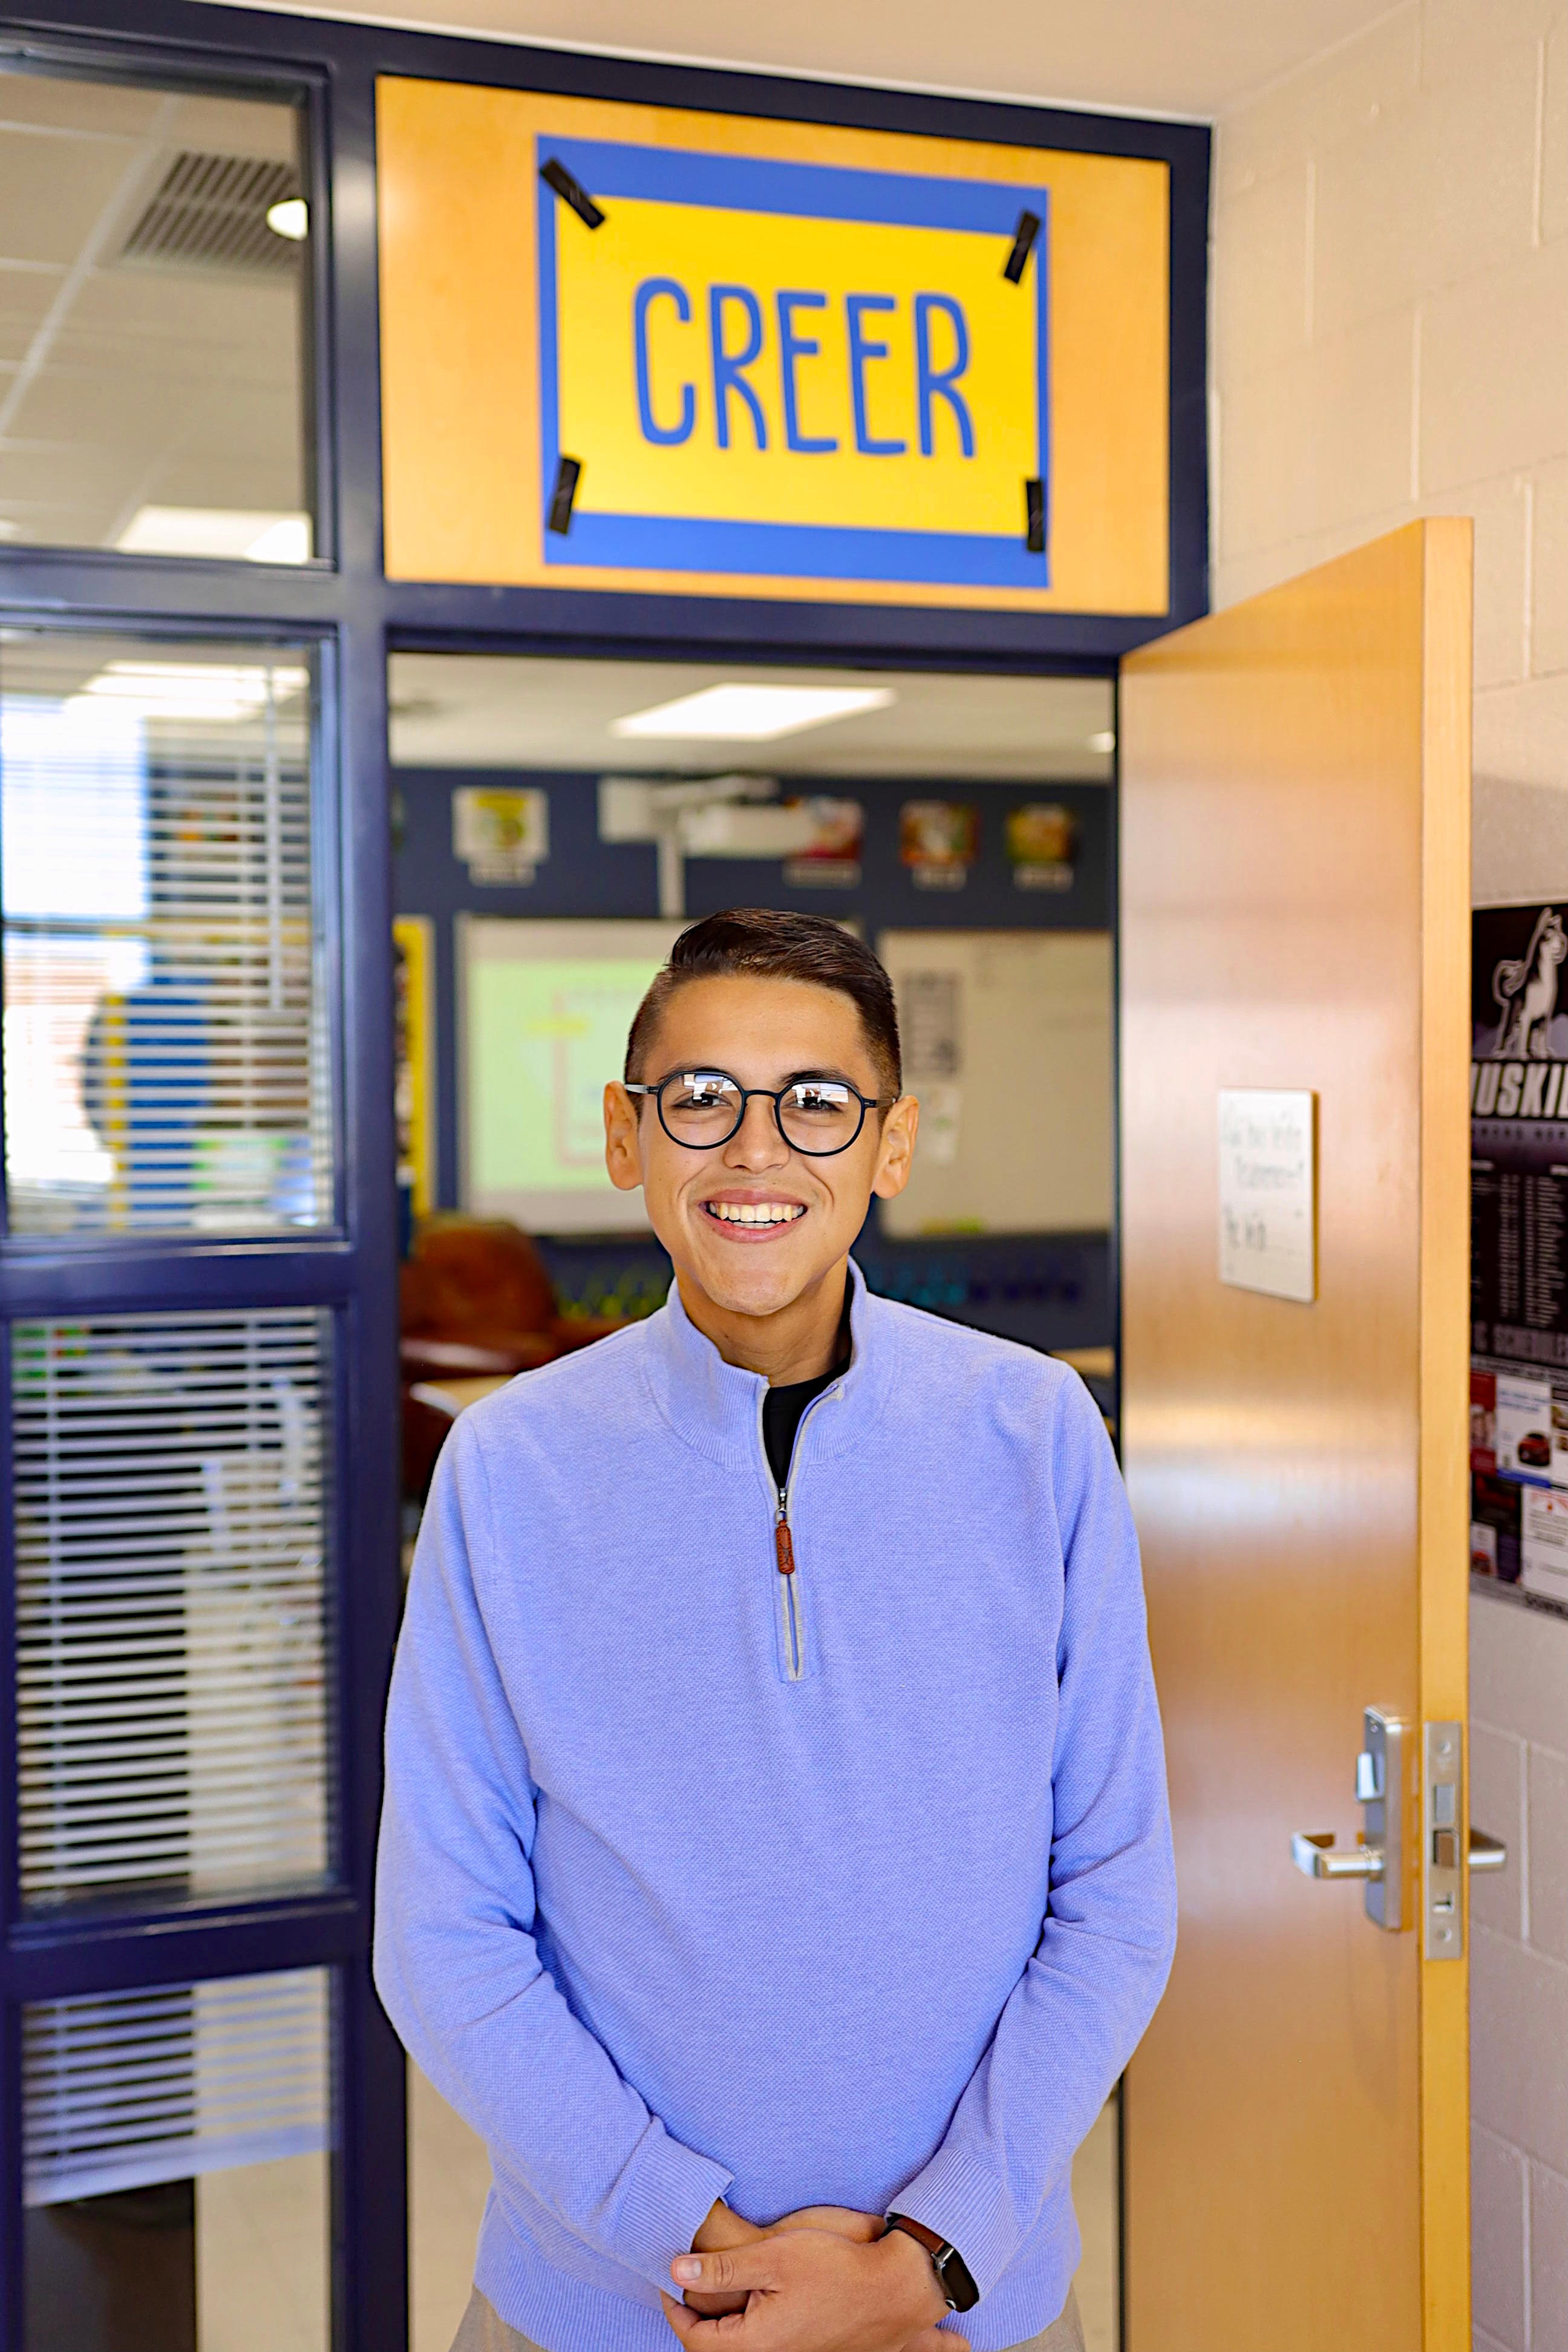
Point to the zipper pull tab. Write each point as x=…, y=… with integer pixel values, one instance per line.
x=783, y=1543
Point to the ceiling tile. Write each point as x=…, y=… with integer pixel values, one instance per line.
x=53, y=191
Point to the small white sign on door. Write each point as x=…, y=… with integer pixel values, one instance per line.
x=1267, y=1190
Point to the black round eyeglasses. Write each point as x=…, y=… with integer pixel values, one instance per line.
x=818, y=1117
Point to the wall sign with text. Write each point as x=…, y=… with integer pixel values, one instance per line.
x=1269, y=1191
x=633, y=347
x=1518, y=1248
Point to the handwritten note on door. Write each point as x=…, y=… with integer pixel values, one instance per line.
x=1267, y=1190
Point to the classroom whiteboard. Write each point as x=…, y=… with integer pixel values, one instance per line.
x=543, y=1008
x=1008, y=1040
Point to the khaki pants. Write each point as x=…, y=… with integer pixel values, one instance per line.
x=481, y=2331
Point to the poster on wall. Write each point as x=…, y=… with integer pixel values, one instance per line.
x=831, y=859
x=1519, y=1249
x=501, y=833
x=413, y=1030
x=1042, y=844
x=939, y=842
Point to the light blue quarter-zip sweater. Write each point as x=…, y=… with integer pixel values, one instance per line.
x=851, y=1886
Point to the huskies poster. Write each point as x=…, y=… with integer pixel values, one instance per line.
x=1518, y=1248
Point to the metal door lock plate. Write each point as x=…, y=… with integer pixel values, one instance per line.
x=1443, y=1811
x=1380, y=1792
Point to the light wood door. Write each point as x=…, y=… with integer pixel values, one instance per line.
x=1295, y=913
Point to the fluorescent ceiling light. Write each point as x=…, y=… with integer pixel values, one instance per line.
x=1104, y=741
x=753, y=714
x=291, y=217
x=194, y=690
x=264, y=536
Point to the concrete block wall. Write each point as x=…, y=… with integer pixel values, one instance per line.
x=1519, y=1972
x=1391, y=340
x=1391, y=333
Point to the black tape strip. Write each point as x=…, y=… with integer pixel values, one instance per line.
x=572, y=191
x=1035, y=516
x=568, y=473
x=1023, y=237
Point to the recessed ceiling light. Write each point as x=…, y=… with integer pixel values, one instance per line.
x=1104, y=741
x=753, y=714
x=264, y=536
x=194, y=689
x=289, y=218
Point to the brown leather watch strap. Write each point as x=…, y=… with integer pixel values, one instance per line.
x=951, y=2270
x=931, y=2239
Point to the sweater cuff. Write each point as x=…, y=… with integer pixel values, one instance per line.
x=669, y=2192
x=965, y=2203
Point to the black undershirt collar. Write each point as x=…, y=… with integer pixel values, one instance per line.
x=784, y=1406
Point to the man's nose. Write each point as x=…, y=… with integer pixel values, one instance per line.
x=756, y=1142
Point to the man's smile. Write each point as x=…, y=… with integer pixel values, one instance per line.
x=752, y=1220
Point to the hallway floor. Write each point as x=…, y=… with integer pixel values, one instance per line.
x=449, y=2175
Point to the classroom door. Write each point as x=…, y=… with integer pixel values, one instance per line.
x=1295, y=915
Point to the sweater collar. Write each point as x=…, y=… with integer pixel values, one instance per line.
x=717, y=1408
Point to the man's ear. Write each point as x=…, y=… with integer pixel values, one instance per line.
x=622, y=1138
x=896, y=1151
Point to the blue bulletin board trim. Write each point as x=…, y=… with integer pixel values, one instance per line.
x=752, y=184
x=804, y=192
x=800, y=550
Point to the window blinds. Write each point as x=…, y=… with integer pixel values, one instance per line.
x=124, y=2089
x=170, y=1625
x=165, y=1044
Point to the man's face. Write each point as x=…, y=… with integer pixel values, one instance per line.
x=754, y=1222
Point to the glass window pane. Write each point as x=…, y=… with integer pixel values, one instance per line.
x=153, y=329
x=171, y=1508
x=175, y=2149
x=166, y=1045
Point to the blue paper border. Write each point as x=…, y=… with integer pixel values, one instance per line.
x=636, y=542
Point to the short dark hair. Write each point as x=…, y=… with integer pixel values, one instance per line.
x=767, y=943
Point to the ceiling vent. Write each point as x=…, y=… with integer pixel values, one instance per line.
x=210, y=213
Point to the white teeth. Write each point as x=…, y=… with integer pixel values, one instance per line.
x=755, y=1213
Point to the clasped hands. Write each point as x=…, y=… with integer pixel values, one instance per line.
x=823, y=2280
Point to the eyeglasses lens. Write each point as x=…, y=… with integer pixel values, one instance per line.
x=700, y=1107
x=819, y=1117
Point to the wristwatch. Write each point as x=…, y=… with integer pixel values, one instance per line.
x=951, y=2273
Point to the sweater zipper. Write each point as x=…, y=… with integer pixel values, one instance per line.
x=791, y=1600
x=789, y=1589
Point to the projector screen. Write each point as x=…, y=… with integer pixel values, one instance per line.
x=542, y=1013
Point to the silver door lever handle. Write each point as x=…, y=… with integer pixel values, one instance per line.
x=1315, y=1855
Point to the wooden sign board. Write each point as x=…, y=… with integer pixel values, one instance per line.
x=636, y=348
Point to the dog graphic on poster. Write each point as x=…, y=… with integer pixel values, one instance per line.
x=1525, y=987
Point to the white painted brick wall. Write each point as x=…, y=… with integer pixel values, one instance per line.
x=1391, y=334
x=1391, y=340
x=1519, y=1969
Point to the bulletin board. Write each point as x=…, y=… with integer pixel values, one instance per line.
x=641, y=348
x=1008, y=1046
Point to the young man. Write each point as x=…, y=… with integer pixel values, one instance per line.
x=776, y=1867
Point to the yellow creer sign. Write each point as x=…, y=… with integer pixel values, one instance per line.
x=633, y=348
